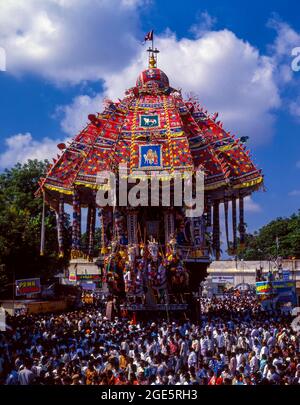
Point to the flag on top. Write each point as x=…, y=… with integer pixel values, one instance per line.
x=149, y=36
x=244, y=139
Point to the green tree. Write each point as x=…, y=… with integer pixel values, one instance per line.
x=20, y=225
x=263, y=244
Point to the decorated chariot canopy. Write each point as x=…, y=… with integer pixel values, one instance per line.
x=153, y=119
x=152, y=128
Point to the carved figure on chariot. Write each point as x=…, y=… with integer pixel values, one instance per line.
x=146, y=273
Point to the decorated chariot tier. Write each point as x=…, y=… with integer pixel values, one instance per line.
x=153, y=130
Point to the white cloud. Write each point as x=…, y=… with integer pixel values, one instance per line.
x=286, y=39
x=21, y=147
x=294, y=193
x=74, y=116
x=69, y=40
x=251, y=206
x=204, y=23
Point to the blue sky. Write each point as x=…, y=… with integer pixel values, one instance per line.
x=64, y=57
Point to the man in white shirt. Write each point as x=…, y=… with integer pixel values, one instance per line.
x=254, y=365
x=263, y=350
x=192, y=358
x=220, y=339
x=26, y=376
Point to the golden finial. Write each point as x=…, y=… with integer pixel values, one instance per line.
x=152, y=62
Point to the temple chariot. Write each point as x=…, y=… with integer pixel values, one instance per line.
x=151, y=254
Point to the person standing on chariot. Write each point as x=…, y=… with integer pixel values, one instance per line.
x=128, y=280
x=162, y=282
x=139, y=286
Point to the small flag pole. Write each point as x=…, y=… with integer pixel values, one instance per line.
x=152, y=40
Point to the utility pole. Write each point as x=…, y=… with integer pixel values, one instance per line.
x=277, y=246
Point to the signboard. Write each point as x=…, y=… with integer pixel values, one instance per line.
x=28, y=286
x=88, y=277
x=72, y=276
x=281, y=290
x=84, y=277
x=88, y=286
x=263, y=288
x=285, y=291
x=223, y=279
x=286, y=274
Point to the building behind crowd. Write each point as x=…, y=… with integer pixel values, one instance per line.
x=224, y=274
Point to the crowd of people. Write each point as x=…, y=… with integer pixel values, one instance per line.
x=235, y=343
